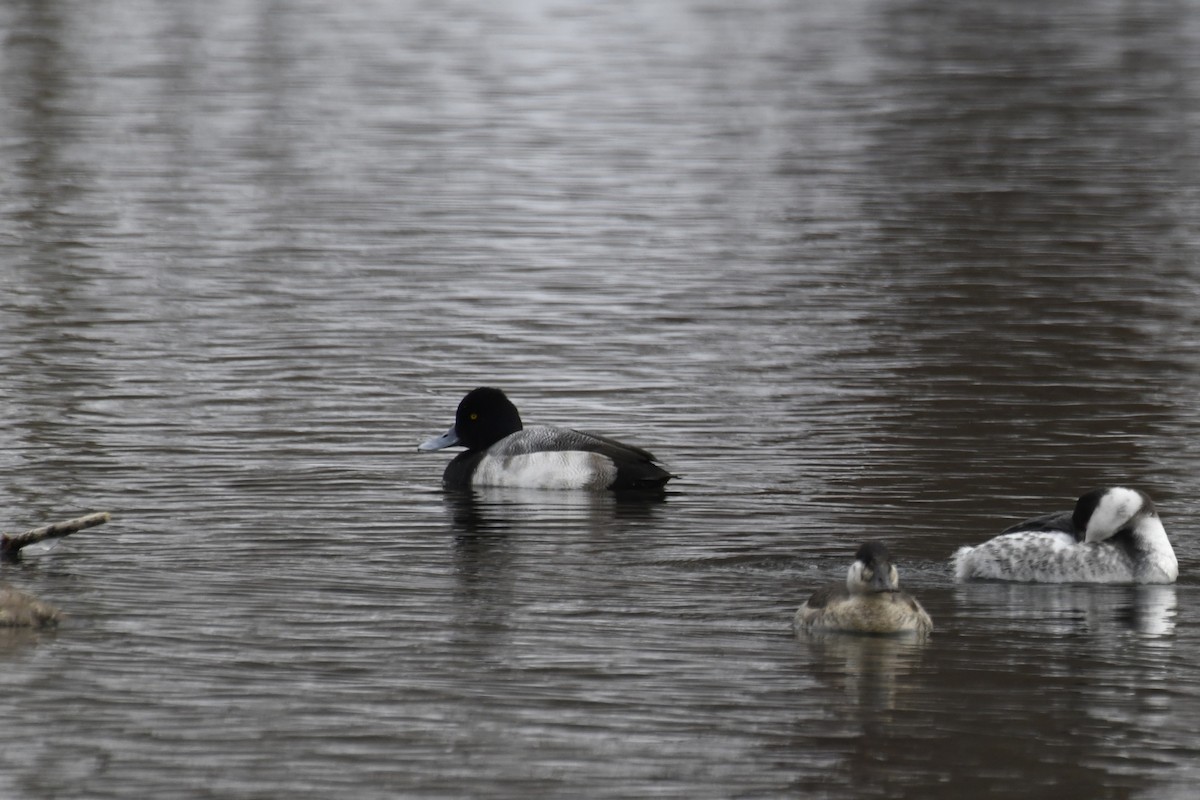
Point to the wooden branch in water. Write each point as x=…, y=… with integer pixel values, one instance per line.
x=10, y=546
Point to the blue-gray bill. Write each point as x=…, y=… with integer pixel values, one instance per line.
x=447, y=439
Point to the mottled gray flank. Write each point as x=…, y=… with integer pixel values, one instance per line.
x=1045, y=557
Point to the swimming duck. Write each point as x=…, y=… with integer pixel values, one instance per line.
x=1113, y=535
x=870, y=601
x=21, y=610
x=502, y=452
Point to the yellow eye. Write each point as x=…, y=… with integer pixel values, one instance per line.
x=474, y=417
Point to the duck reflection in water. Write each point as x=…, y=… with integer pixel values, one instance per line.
x=875, y=672
x=1067, y=609
x=499, y=510
x=870, y=601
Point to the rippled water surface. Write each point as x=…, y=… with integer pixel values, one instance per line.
x=899, y=270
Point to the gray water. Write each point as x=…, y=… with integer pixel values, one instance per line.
x=898, y=270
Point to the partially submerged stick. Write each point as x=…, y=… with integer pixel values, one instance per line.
x=10, y=546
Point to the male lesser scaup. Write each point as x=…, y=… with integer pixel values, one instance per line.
x=1113, y=536
x=502, y=452
x=870, y=600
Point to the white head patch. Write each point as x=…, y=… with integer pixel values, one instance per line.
x=1112, y=513
x=855, y=580
x=860, y=576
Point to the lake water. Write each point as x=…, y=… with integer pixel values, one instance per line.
x=909, y=271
